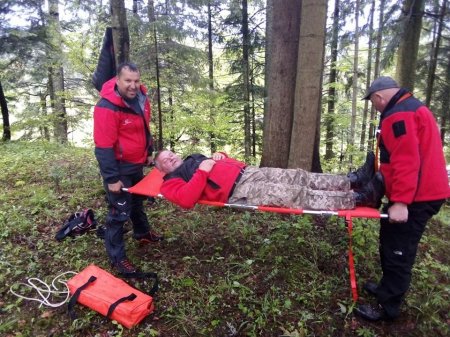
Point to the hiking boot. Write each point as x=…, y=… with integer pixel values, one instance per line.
x=372, y=313
x=371, y=194
x=149, y=237
x=363, y=175
x=125, y=267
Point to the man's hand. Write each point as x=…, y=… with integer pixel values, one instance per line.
x=207, y=165
x=218, y=156
x=398, y=212
x=116, y=187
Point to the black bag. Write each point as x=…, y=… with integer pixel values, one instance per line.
x=77, y=224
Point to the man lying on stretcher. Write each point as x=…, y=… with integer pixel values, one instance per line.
x=228, y=180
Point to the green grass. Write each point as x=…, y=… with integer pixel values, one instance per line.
x=222, y=272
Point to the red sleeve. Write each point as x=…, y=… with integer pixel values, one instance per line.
x=185, y=194
x=105, y=128
x=403, y=147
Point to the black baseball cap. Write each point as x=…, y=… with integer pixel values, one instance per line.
x=381, y=83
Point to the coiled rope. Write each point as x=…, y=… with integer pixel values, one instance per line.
x=44, y=290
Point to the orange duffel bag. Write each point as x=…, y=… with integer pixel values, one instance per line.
x=111, y=296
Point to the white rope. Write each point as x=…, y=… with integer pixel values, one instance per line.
x=44, y=290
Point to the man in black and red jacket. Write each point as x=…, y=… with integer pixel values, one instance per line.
x=413, y=167
x=227, y=180
x=123, y=145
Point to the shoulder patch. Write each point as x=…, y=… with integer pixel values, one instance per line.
x=399, y=128
x=104, y=103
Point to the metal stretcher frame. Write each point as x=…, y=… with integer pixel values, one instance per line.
x=150, y=186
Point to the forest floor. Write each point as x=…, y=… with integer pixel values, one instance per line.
x=222, y=272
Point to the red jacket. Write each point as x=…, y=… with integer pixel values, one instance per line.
x=188, y=184
x=411, y=156
x=121, y=135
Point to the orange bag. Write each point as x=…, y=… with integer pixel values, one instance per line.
x=111, y=296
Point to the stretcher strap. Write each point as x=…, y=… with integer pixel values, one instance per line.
x=351, y=262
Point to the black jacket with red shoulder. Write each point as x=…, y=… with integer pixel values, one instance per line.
x=188, y=184
x=411, y=156
x=121, y=134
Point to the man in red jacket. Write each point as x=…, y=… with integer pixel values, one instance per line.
x=123, y=145
x=225, y=179
x=413, y=167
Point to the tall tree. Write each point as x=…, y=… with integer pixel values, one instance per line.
x=412, y=14
x=445, y=101
x=352, y=137
x=212, y=143
x=282, y=41
x=268, y=50
x=306, y=117
x=379, y=38
x=246, y=79
x=435, y=52
x=331, y=100
x=154, y=58
x=5, y=115
x=56, y=73
x=121, y=35
x=368, y=76
x=44, y=129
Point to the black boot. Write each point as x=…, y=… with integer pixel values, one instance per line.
x=364, y=174
x=372, y=313
x=371, y=194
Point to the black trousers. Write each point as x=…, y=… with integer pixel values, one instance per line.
x=398, y=250
x=123, y=206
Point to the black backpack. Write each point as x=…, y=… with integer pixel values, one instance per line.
x=77, y=224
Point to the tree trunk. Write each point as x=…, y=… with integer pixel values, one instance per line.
x=445, y=102
x=45, y=133
x=329, y=118
x=434, y=56
x=368, y=78
x=152, y=21
x=121, y=36
x=171, y=119
x=212, y=143
x=253, y=115
x=5, y=115
x=308, y=88
x=282, y=42
x=56, y=73
x=409, y=44
x=373, y=114
x=246, y=80
x=268, y=50
x=352, y=136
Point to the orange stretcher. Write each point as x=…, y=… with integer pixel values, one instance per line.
x=151, y=184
